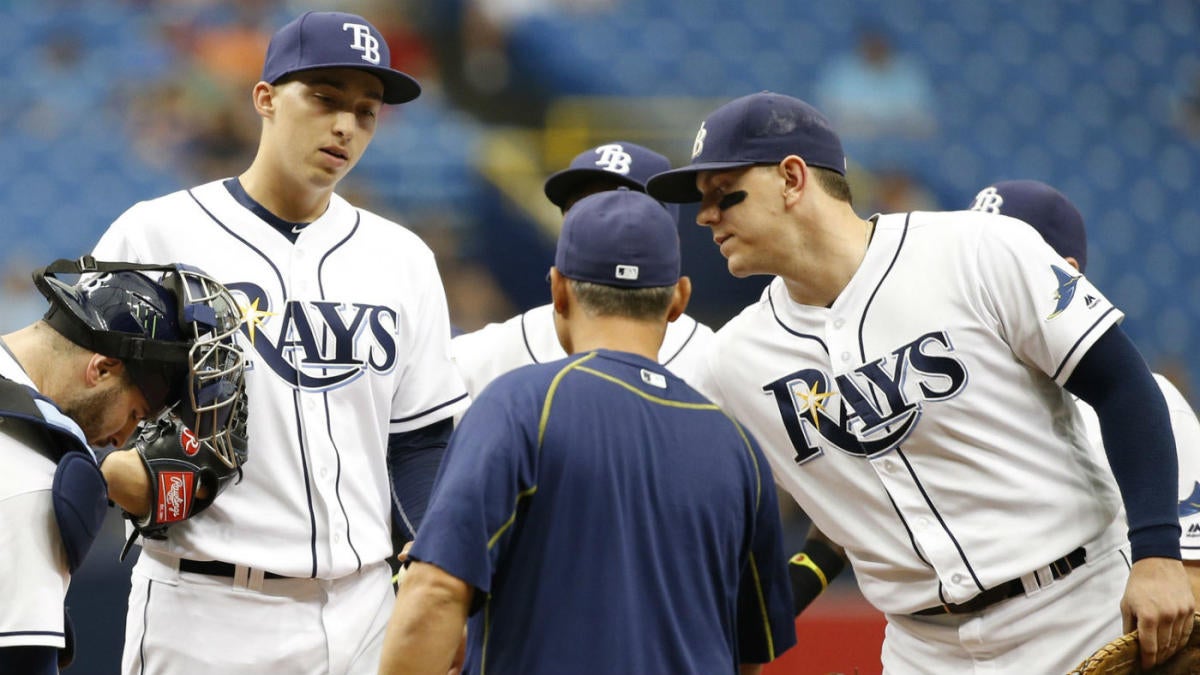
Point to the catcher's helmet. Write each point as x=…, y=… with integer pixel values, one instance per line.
x=175, y=335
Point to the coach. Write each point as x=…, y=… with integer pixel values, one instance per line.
x=596, y=514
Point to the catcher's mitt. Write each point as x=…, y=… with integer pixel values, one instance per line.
x=186, y=473
x=1121, y=657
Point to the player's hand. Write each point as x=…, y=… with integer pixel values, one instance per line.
x=1158, y=603
x=128, y=482
x=402, y=556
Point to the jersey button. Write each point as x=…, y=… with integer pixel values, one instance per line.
x=845, y=356
x=956, y=578
x=839, y=323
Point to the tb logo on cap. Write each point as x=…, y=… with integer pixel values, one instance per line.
x=614, y=158
x=364, y=42
x=988, y=200
x=698, y=145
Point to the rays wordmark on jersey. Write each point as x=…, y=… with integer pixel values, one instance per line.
x=878, y=403
x=319, y=344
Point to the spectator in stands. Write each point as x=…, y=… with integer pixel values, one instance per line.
x=875, y=92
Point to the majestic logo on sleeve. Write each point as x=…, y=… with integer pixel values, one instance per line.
x=877, y=404
x=1065, y=293
x=316, y=344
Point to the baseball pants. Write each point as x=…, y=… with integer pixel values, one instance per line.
x=183, y=623
x=1049, y=631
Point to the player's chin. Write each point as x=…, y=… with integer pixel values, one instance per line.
x=739, y=267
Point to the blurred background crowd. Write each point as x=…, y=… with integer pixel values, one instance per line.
x=108, y=102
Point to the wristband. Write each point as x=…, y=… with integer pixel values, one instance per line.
x=811, y=570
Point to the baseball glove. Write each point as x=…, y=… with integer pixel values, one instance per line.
x=1121, y=657
x=186, y=474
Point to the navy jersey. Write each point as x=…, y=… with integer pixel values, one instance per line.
x=611, y=520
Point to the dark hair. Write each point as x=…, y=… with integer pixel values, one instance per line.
x=642, y=304
x=833, y=183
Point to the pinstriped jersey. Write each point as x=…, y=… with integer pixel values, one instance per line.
x=530, y=337
x=919, y=420
x=611, y=520
x=346, y=334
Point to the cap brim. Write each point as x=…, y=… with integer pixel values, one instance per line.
x=561, y=184
x=398, y=87
x=678, y=186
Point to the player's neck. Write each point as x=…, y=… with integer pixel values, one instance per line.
x=818, y=274
x=293, y=201
x=620, y=334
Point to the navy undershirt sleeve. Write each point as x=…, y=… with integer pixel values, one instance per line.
x=1136, y=427
x=413, y=458
x=29, y=660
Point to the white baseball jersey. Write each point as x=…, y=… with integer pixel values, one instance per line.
x=33, y=563
x=347, y=339
x=497, y=348
x=1187, y=444
x=919, y=420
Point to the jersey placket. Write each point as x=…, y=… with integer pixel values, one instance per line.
x=935, y=543
x=315, y=427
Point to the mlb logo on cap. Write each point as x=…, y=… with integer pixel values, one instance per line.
x=336, y=40
x=627, y=272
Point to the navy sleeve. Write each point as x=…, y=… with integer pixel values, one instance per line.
x=766, y=621
x=29, y=660
x=1136, y=427
x=413, y=459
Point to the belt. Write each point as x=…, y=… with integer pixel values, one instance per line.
x=1009, y=589
x=216, y=568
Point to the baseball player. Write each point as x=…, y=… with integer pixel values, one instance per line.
x=689, y=576
x=110, y=352
x=497, y=348
x=906, y=377
x=1061, y=225
x=351, y=387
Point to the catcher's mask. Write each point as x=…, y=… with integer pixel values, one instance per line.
x=176, y=336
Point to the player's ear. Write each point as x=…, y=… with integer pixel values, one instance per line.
x=263, y=96
x=558, y=292
x=794, y=172
x=101, y=368
x=683, y=293
x=1073, y=262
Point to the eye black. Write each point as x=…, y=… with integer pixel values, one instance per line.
x=731, y=200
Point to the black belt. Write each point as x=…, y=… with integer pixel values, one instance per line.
x=216, y=568
x=1009, y=589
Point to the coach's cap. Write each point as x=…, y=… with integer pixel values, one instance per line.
x=626, y=164
x=619, y=238
x=336, y=40
x=1043, y=207
x=761, y=128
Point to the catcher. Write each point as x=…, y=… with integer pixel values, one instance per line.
x=118, y=347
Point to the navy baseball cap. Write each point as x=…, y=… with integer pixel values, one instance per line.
x=336, y=40
x=619, y=238
x=761, y=128
x=628, y=164
x=1043, y=207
